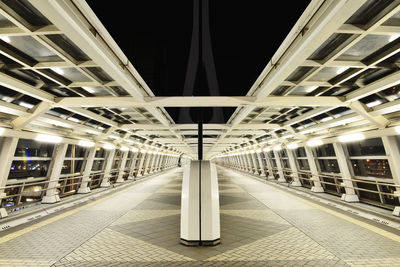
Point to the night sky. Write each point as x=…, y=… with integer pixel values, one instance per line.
x=156, y=35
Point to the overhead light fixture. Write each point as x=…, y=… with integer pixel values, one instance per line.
x=267, y=149
x=292, y=146
x=134, y=149
x=5, y=39
x=108, y=146
x=73, y=119
x=92, y=132
x=374, y=103
x=315, y=142
x=124, y=148
x=113, y=137
x=393, y=37
x=341, y=69
x=47, y=138
x=26, y=105
x=277, y=147
x=271, y=141
x=143, y=151
x=258, y=150
x=89, y=89
x=85, y=143
x=311, y=88
x=326, y=119
x=351, y=137
x=2, y=131
x=58, y=70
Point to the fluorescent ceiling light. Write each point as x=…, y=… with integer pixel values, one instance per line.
x=2, y=131
x=341, y=70
x=351, y=137
x=258, y=150
x=108, y=146
x=393, y=37
x=374, y=103
x=73, y=119
x=26, y=105
x=143, y=151
x=315, y=142
x=92, y=132
x=326, y=119
x=48, y=138
x=309, y=89
x=134, y=149
x=113, y=137
x=267, y=149
x=58, y=70
x=85, y=143
x=292, y=146
x=124, y=148
x=271, y=141
x=89, y=89
x=5, y=39
x=397, y=129
x=277, y=147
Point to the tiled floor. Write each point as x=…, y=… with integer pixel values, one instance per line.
x=260, y=226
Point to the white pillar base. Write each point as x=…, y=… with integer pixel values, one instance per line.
x=270, y=177
x=120, y=180
x=3, y=213
x=262, y=174
x=295, y=184
x=281, y=180
x=131, y=178
x=317, y=189
x=105, y=184
x=396, y=211
x=83, y=190
x=350, y=198
x=51, y=199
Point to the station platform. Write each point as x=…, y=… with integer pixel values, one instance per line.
x=261, y=225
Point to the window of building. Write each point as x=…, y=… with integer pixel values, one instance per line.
x=369, y=147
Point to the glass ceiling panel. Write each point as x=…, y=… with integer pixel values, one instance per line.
x=33, y=48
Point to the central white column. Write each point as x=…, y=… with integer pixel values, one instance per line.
x=279, y=166
x=293, y=167
x=84, y=187
x=142, y=158
x=317, y=188
x=51, y=195
x=107, y=168
x=121, y=170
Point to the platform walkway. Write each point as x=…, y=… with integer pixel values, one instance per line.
x=261, y=225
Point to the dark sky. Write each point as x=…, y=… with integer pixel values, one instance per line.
x=156, y=36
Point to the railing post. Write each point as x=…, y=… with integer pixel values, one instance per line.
x=7, y=151
x=51, y=195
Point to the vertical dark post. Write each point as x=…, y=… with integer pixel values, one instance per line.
x=200, y=134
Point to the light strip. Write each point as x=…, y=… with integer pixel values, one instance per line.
x=108, y=146
x=292, y=146
x=48, y=138
x=277, y=147
x=315, y=142
x=124, y=148
x=351, y=137
x=85, y=143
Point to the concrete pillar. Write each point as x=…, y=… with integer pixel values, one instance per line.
x=269, y=166
x=392, y=149
x=7, y=152
x=51, y=194
x=84, y=188
x=293, y=166
x=150, y=155
x=346, y=172
x=254, y=162
x=107, y=168
x=133, y=165
x=317, y=188
x=260, y=162
x=247, y=161
x=121, y=170
x=143, y=154
x=279, y=166
x=158, y=162
x=153, y=162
